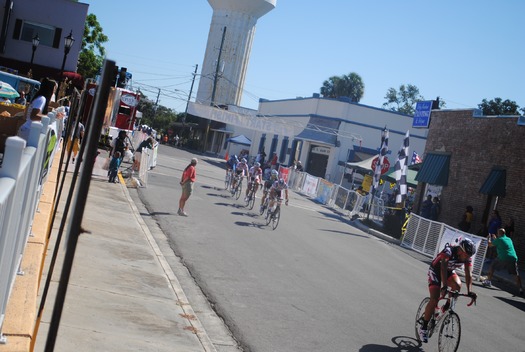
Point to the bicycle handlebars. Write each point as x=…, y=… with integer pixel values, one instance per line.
x=456, y=294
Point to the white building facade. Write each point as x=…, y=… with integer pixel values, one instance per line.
x=322, y=133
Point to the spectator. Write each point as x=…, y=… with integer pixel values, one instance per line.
x=114, y=165
x=435, y=210
x=21, y=99
x=39, y=106
x=494, y=223
x=73, y=144
x=466, y=221
x=274, y=161
x=506, y=258
x=188, y=179
x=147, y=143
x=119, y=144
x=299, y=166
x=426, y=207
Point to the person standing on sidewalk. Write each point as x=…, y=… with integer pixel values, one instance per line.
x=188, y=179
x=506, y=258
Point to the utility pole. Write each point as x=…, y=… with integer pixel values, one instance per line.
x=214, y=90
x=189, y=97
x=156, y=105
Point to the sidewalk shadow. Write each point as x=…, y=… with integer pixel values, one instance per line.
x=343, y=233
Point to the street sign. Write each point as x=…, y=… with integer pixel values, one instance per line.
x=422, y=114
x=384, y=167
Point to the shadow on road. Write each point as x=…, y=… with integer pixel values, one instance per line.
x=516, y=304
x=343, y=232
x=403, y=344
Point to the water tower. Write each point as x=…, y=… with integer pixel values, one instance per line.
x=228, y=50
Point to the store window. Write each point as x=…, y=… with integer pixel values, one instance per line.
x=48, y=35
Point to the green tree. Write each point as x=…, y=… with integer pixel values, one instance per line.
x=403, y=100
x=92, y=53
x=498, y=106
x=157, y=117
x=350, y=86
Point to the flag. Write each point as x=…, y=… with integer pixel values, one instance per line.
x=401, y=169
x=416, y=159
x=382, y=153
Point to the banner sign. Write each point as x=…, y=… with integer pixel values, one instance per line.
x=422, y=114
x=310, y=185
x=250, y=121
x=324, y=191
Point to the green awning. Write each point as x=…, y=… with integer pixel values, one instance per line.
x=435, y=169
x=495, y=184
x=390, y=176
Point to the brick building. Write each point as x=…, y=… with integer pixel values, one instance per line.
x=479, y=161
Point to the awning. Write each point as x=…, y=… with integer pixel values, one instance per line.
x=240, y=139
x=363, y=166
x=390, y=176
x=320, y=129
x=435, y=169
x=495, y=184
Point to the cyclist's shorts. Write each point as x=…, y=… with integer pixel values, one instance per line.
x=434, y=279
x=511, y=265
x=267, y=185
x=238, y=172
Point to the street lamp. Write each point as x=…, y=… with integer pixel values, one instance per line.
x=36, y=41
x=68, y=43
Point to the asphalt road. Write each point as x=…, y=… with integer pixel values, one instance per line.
x=313, y=284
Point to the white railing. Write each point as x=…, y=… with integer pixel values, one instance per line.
x=422, y=235
x=429, y=237
x=24, y=168
x=334, y=196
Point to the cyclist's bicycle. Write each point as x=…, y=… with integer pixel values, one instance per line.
x=444, y=318
x=274, y=216
x=264, y=206
x=237, y=190
x=228, y=179
x=250, y=200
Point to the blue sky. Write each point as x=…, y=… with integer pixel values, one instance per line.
x=462, y=51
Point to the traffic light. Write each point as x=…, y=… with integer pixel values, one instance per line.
x=113, y=77
x=122, y=80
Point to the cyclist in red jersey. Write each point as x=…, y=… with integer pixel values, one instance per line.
x=441, y=274
x=255, y=175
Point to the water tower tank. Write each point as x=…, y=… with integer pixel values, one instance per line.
x=237, y=20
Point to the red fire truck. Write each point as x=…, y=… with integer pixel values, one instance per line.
x=121, y=111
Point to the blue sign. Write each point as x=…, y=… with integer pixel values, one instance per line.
x=422, y=114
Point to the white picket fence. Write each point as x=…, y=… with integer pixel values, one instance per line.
x=23, y=170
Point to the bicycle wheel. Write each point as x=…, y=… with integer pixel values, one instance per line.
x=268, y=217
x=419, y=316
x=227, y=181
x=251, y=201
x=264, y=206
x=449, y=333
x=238, y=190
x=276, y=217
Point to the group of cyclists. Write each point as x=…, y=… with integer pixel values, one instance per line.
x=272, y=186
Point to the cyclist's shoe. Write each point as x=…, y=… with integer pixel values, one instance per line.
x=246, y=199
x=423, y=335
x=487, y=283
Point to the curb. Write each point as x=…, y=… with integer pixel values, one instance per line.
x=194, y=322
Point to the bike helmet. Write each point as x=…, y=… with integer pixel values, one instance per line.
x=244, y=160
x=257, y=164
x=468, y=246
x=274, y=173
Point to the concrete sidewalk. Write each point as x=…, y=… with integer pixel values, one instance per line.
x=122, y=294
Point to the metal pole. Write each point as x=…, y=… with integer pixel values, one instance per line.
x=189, y=97
x=95, y=126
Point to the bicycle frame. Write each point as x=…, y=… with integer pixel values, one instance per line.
x=444, y=319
